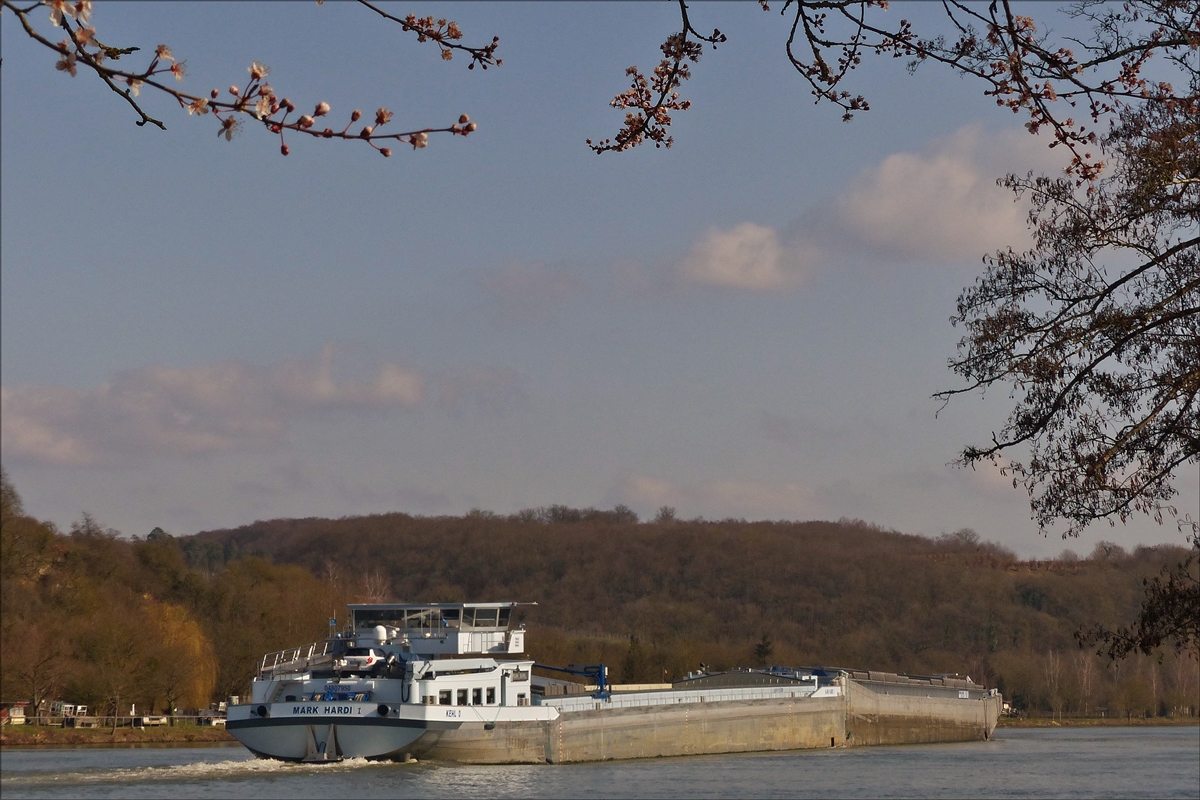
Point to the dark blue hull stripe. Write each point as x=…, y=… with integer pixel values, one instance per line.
x=271, y=722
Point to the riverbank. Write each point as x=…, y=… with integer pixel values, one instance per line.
x=1094, y=722
x=26, y=735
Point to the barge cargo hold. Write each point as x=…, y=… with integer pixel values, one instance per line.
x=449, y=681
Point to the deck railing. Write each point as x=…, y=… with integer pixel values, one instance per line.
x=296, y=659
x=138, y=721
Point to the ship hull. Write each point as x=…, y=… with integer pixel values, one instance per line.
x=866, y=714
x=319, y=732
x=656, y=725
x=324, y=739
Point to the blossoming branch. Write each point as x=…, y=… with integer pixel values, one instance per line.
x=256, y=100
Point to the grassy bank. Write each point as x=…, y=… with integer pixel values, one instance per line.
x=1094, y=722
x=22, y=735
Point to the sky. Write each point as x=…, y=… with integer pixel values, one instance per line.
x=197, y=333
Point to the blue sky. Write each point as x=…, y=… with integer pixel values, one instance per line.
x=200, y=333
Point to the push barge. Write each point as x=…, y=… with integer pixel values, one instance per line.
x=451, y=681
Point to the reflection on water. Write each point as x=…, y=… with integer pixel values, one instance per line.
x=1094, y=762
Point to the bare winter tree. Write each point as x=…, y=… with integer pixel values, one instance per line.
x=376, y=586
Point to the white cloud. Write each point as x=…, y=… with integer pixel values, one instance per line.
x=943, y=203
x=717, y=499
x=211, y=408
x=747, y=256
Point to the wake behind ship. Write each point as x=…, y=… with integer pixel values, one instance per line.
x=452, y=681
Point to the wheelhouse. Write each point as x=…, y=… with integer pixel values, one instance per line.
x=431, y=617
x=437, y=629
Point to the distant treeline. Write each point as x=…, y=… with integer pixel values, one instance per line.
x=182, y=620
x=95, y=618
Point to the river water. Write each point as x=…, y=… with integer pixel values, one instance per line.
x=1060, y=762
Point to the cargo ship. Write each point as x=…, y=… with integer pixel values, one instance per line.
x=452, y=681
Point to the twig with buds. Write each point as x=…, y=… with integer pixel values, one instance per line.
x=655, y=97
x=445, y=35
x=257, y=100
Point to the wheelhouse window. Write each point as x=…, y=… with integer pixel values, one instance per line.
x=486, y=618
x=431, y=619
x=367, y=618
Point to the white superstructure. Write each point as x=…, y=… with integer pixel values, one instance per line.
x=400, y=676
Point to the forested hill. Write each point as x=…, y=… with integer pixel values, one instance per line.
x=658, y=598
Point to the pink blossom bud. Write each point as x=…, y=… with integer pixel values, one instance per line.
x=367, y=131
x=327, y=133
x=233, y=90
x=471, y=127
x=306, y=121
x=387, y=153
x=464, y=119
x=214, y=94
x=283, y=148
x=321, y=110
x=356, y=115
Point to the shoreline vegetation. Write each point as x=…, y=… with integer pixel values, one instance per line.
x=1096, y=722
x=42, y=735
x=173, y=625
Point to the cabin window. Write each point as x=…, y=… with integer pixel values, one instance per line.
x=365, y=620
x=477, y=697
x=418, y=618
x=444, y=697
x=485, y=617
x=462, y=697
x=491, y=696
